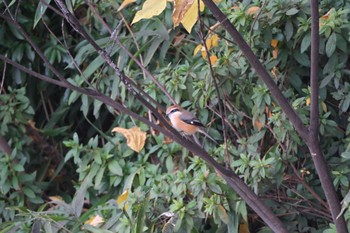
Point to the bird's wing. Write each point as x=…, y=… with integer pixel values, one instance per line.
x=189, y=118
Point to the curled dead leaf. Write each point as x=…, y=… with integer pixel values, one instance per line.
x=253, y=10
x=135, y=137
x=180, y=9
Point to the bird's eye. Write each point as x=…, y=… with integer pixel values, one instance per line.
x=174, y=110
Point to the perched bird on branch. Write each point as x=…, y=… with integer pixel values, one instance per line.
x=185, y=122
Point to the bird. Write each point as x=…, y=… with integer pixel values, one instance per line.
x=185, y=122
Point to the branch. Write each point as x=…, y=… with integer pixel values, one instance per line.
x=313, y=141
x=314, y=112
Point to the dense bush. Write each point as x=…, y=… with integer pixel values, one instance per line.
x=66, y=168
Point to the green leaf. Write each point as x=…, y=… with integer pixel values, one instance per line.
x=18, y=167
x=99, y=176
x=115, y=168
x=40, y=11
x=292, y=11
x=302, y=58
x=305, y=43
x=78, y=200
x=15, y=183
x=28, y=192
x=326, y=80
x=288, y=30
x=331, y=44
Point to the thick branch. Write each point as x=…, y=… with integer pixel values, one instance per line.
x=314, y=113
x=313, y=141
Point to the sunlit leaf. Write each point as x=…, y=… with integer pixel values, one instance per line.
x=190, y=17
x=215, y=40
x=135, y=138
x=123, y=197
x=180, y=9
x=125, y=3
x=197, y=49
x=149, y=9
x=308, y=101
x=95, y=220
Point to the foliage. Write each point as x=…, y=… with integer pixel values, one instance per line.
x=68, y=167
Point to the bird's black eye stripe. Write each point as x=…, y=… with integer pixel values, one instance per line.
x=174, y=110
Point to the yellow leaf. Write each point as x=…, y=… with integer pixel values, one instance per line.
x=191, y=15
x=216, y=1
x=135, y=138
x=125, y=3
x=324, y=106
x=204, y=52
x=208, y=43
x=55, y=198
x=215, y=40
x=274, y=43
x=180, y=9
x=308, y=101
x=95, y=220
x=123, y=197
x=252, y=10
x=149, y=9
x=213, y=59
x=197, y=49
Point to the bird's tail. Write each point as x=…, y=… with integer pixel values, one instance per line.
x=207, y=135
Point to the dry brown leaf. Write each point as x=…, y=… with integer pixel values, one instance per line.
x=258, y=124
x=243, y=228
x=275, y=53
x=180, y=9
x=274, y=43
x=124, y=4
x=135, y=138
x=179, y=39
x=213, y=59
x=253, y=10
